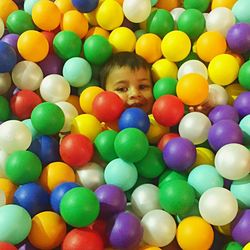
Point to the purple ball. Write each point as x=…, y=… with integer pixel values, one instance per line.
x=52, y=64
x=238, y=37
x=26, y=246
x=241, y=227
x=179, y=154
x=223, y=112
x=224, y=132
x=242, y=104
x=126, y=231
x=112, y=200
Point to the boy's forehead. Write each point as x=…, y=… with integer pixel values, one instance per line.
x=125, y=70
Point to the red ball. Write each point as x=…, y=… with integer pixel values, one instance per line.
x=76, y=150
x=168, y=110
x=50, y=37
x=82, y=238
x=165, y=139
x=23, y=102
x=7, y=246
x=107, y=106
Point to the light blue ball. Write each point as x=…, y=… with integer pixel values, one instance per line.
x=77, y=71
x=240, y=189
x=241, y=11
x=33, y=131
x=15, y=223
x=204, y=177
x=245, y=127
x=121, y=173
x=28, y=5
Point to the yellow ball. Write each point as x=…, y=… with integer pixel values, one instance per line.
x=6, y=8
x=8, y=188
x=217, y=72
x=122, y=39
x=109, y=8
x=204, y=156
x=164, y=68
x=27, y=45
x=149, y=248
x=48, y=230
x=56, y=173
x=64, y=5
x=247, y=246
x=223, y=3
x=234, y=90
x=87, y=125
x=87, y=97
x=97, y=31
x=226, y=229
x=46, y=15
x=176, y=45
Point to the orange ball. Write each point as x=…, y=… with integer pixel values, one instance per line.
x=56, y=173
x=74, y=100
x=149, y=47
x=97, y=31
x=210, y=44
x=192, y=89
x=6, y=8
x=9, y=189
x=64, y=5
x=168, y=5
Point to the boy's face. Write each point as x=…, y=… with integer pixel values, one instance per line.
x=133, y=86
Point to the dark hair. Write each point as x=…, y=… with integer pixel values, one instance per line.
x=121, y=59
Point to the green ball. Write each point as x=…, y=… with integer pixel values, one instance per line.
x=47, y=118
x=244, y=75
x=79, y=207
x=15, y=224
x=170, y=175
x=233, y=245
x=153, y=2
x=177, y=197
x=23, y=167
x=139, y=33
x=131, y=144
x=164, y=86
x=67, y=44
x=104, y=144
x=152, y=165
x=19, y=21
x=5, y=109
x=201, y=5
x=92, y=82
x=97, y=49
x=160, y=22
x=194, y=211
x=192, y=22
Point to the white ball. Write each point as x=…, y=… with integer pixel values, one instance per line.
x=5, y=82
x=27, y=75
x=220, y=19
x=1, y=27
x=54, y=88
x=176, y=12
x=217, y=95
x=90, y=175
x=70, y=112
x=159, y=228
x=218, y=206
x=14, y=135
x=232, y=161
x=195, y=127
x=3, y=157
x=136, y=11
x=193, y=66
x=2, y=198
x=140, y=201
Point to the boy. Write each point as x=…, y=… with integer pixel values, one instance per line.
x=129, y=76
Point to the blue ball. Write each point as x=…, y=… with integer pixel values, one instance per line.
x=134, y=118
x=32, y=197
x=85, y=5
x=8, y=57
x=58, y=192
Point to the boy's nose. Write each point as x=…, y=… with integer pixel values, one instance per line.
x=134, y=92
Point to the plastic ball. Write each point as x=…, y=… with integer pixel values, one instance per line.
x=97, y=49
x=165, y=139
x=239, y=9
x=203, y=156
x=112, y=200
x=128, y=227
x=245, y=127
x=8, y=57
x=135, y=14
x=48, y=230
x=164, y=86
x=244, y=72
x=18, y=168
x=1, y=28
x=77, y=71
x=32, y=197
x=194, y=233
x=179, y=154
x=241, y=103
x=85, y=6
x=217, y=95
x=79, y=237
x=8, y=188
x=192, y=89
x=67, y=44
x=2, y=198
x=50, y=35
x=5, y=108
x=79, y=207
x=27, y=46
x=172, y=50
x=14, y=135
x=6, y=8
x=224, y=132
x=232, y=161
x=169, y=175
x=7, y=246
x=91, y=175
x=58, y=192
x=96, y=30
x=223, y=3
x=189, y=121
x=131, y=144
x=56, y=173
x=5, y=82
x=27, y=75
x=211, y=209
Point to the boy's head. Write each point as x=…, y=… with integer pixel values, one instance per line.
x=129, y=76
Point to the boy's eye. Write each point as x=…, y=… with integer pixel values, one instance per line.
x=144, y=86
x=121, y=89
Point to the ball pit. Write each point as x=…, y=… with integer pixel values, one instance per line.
x=80, y=170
